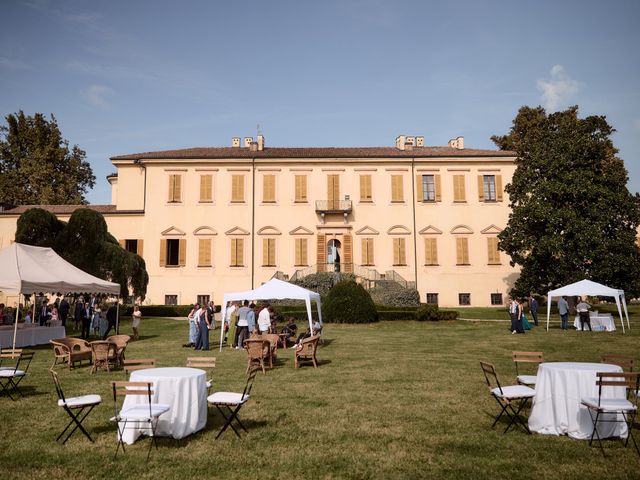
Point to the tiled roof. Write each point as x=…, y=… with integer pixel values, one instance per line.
x=319, y=152
x=59, y=209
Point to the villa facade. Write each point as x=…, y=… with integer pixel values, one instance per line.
x=214, y=220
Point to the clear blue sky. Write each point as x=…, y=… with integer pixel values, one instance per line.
x=132, y=76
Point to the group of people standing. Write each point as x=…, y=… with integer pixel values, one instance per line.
x=243, y=319
x=519, y=321
x=201, y=320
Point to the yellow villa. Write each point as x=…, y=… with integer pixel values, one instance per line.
x=214, y=220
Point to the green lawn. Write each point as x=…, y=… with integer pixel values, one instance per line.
x=389, y=400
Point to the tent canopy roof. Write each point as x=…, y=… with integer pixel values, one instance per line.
x=586, y=287
x=28, y=269
x=274, y=289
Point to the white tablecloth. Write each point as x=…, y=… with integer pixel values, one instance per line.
x=29, y=335
x=183, y=389
x=604, y=319
x=556, y=407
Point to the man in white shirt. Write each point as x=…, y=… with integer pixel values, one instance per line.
x=264, y=319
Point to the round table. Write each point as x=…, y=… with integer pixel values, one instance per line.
x=556, y=406
x=183, y=389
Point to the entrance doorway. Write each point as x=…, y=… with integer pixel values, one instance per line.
x=333, y=255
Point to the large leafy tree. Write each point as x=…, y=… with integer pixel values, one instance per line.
x=572, y=216
x=37, y=166
x=86, y=243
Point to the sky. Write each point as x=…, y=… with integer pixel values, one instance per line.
x=123, y=77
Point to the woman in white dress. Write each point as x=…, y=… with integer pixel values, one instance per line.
x=135, y=324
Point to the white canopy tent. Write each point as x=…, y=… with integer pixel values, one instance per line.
x=277, y=290
x=591, y=289
x=26, y=269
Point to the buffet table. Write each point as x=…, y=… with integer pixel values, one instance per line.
x=599, y=322
x=183, y=389
x=556, y=406
x=29, y=334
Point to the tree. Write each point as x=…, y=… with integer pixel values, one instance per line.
x=37, y=167
x=85, y=243
x=349, y=302
x=572, y=216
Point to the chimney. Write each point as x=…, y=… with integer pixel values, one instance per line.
x=253, y=146
x=457, y=143
x=235, y=142
x=419, y=141
x=260, y=142
x=400, y=142
x=247, y=141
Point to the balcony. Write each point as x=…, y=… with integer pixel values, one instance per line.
x=324, y=207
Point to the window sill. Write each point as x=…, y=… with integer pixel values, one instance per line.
x=495, y=264
x=236, y=266
x=431, y=264
x=432, y=202
x=205, y=202
x=463, y=264
x=459, y=201
x=173, y=266
x=399, y=265
x=205, y=266
x=173, y=203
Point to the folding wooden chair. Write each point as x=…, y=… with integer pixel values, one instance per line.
x=232, y=402
x=205, y=363
x=9, y=353
x=625, y=361
x=606, y=409
x=511, y=399
x=526, y=357
x=78, y=408
x=138, y=364
x=11, y=377
x=138, y=413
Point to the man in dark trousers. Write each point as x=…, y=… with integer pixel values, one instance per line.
x=45, y=314
x=533, y=308
x=63, y=311
x=78, y=313
x=112, y=316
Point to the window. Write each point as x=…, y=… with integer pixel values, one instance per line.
x=237, y=188
x=462, y=251
x=203, y=299
x=204, y=252
x=458, y=189
x=173, y=252
x=399, y=252
x=175, y=189
x=301, y=252
x=432, y=298
x=367, y=251
x=132, y=245
x=428, y=188
x=397, y=195
x=268, y=252
x=490, y=188
x=301, y=188
x=269, y=188
x=171, y=299
x=430, y=251
x=365, y=188
x=206, y=188
x=237, y=252
x=492, y=251
x=464, y=299
x=496, y=299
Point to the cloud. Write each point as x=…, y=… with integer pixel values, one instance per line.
x=11, y=64
x=558, y=89
x=96, y=95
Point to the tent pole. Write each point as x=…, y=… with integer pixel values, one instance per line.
x=548, y=310
x=619, y=312
x=15, y=325
x=118, y=315
x=626, y=312
x=223, y=314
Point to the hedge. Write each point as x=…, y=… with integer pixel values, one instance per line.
x=160, y=310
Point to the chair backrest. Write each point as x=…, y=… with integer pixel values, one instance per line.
x=56, y=381
x=257, y=347
x=201, y=362
x=120, y=340
x=25, y=360
x=629, y=380
x=526, y=357
x=249, y=385
x=491, y=376
x=123, y=388
x=12, y=353
x=131, y=365
x=624, y=361
x=103, y=349
x=308, y=345
x=272, y=338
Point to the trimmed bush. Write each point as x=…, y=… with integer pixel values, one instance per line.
x=395, y=295
x=428, y=312
x=159, y=310
x=349, y=302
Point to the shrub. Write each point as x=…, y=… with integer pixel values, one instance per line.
x=159, y=310
x=395, y=295
x=427, y=312
x=349, y=302
x=322, y=282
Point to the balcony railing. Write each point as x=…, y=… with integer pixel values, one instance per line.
x=333, y=206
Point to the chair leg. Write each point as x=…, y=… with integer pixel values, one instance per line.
x=120, y=437
x=77, y=419
x=229, y=420
x=595, y=431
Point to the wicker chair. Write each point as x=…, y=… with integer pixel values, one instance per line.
x=121, y=342
x=258, y=350
x=306, y=351
x=70, y=350
x=104, y=354
x=273, y=339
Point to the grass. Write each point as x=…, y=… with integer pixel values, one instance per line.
x=389, y=400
